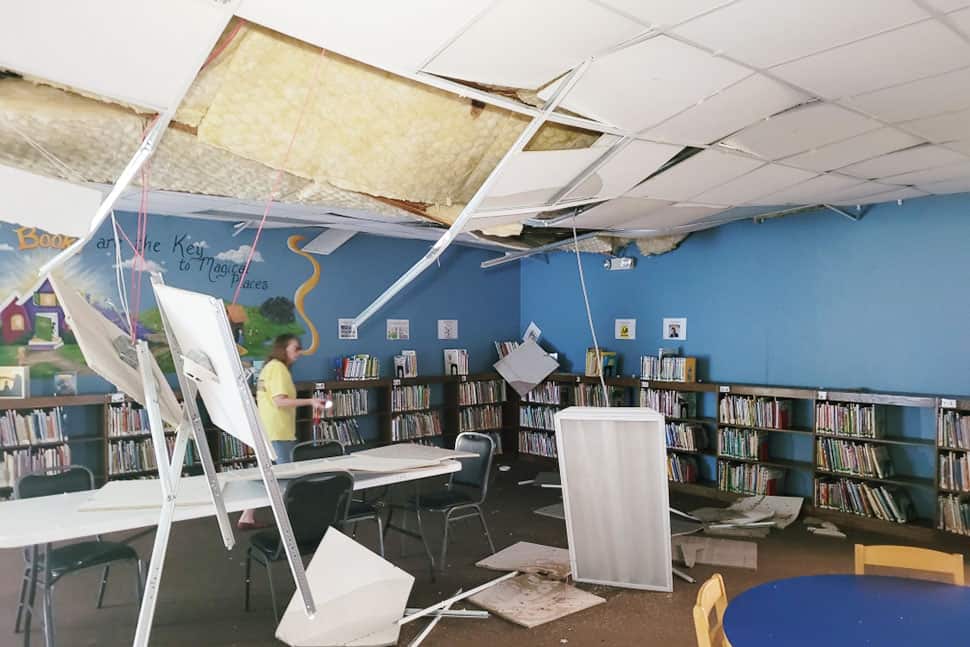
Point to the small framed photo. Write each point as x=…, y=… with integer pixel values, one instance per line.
x=675, y=329
x=14, y=381
x=65, y=383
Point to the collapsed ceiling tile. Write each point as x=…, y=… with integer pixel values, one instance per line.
x=628, y=166
x=610, y=215
x=531, y=178
x=668, y=217
x=694, y=175
x=855, y=149
x=759, y=182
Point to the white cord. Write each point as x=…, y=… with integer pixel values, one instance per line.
x=120, y=273
x=60, y=165
x=589, y=315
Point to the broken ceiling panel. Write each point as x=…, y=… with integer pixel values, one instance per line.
x=609, y=215
x=671, y=216
x=814, y=190
x=957, y=185
x=626, y=168
x=705, y=170
x=531, y=178
x=941, y=128
x=909, y=160
x=752, y=186
x=855, y=149
x=935, y=174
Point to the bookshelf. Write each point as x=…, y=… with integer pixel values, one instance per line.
x=536, y=415
x=128, y=445
x=31, y=438
x=354, y=418
x=483, y=405
x=953, y=464
x=416, y=405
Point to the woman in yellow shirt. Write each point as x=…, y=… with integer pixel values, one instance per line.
x=277, y=403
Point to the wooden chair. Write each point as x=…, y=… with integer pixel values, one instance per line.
x=910, y=558
x=711, y=597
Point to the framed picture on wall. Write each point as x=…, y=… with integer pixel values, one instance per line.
x=14, y=381
x=65, y=383
x=675, y=329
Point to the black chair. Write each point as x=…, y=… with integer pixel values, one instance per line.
x=465, y=492
x=313, y=503
x=48, y=565
x=360, y=509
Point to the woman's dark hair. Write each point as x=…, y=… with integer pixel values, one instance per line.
x=278, y=351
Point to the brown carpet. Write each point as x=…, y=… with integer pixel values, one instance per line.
x=201, y=600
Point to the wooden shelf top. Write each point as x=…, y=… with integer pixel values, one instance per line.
x=893, y=399
x=770, y=462
x=40, y=445
x=886, y=440
x=795, y=430
x=44, y=402
x=904, y=480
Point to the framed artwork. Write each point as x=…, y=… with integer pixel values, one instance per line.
x=14, y=381
x=65, y=383
x=675, y=329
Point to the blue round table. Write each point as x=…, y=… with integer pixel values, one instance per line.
x=837, y=610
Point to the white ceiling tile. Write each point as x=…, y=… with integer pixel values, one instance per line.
x=942, y=128
x=857, y=194
x=958, y=185
x=480, y=223
x=672, y=216
x=696, y=174
x=945, y=6
x=531, y=178
x=528, y=44
x=731, y=109
x=627, y=168
x=876, y=63
x=907, y=193
x=610, y=214
x=814, y=191
x=760, y=182
x=801, y=129
x=60, y=207
x=661, y=13
x=922, y=98
x=904, y=161
x=767, y=32
x=388, y=35
x=854, y=149
x=937, y=174
x=643, y=84
x=961, y=146
x=961, y=20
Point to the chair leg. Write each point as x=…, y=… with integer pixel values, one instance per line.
x=24, y=585
x=249, y=568
x=353, y=530
x=272, y=591
x=424, y=540
x=139, y=582
x=488, y=535
x=103, y=585
x=404, y=527
x=380, y=533
x=31, y=595
x=48, y=614
x=446, y=520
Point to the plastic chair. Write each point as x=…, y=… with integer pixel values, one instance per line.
x=314, y=503
x=313, y=449
x=44, y=567
x=910, y=558
x=466, y=491
x=711, y=597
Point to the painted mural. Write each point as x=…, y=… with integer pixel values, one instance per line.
x=33, y=330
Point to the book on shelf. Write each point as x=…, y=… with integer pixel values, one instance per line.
x=537, y=417
x=346, y=402
x=411, y=397
x=345, y=431
x=480, y=417
x=456, y=361
x=748, y=444
x=668, y=369
x=861, y=459
x=755, y=411
x=681, y=469
x=849, y=419
x=955, y=471
x=537, y=443
x=864, y=499
x=16, y=463
x=607, y=366
x=406, y=364
x=415, y=425
x=748, y=478
x=357, y=367
x=503, y=348
x=39, y=426
x=953, y=514
x=673, y=404
x=953, y=429
x=545, y=393
x=686, y=436
x=481, y=392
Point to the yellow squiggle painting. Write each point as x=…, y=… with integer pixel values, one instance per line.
x=304, y=289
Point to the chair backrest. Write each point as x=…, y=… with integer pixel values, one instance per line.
x=317, y=501
x=54, y=480
x=317, y=449
x=910, y=558
x=711, y=597
x=474, y=471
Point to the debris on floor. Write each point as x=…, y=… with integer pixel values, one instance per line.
x=556, y=511
x=716, y=552
x=527, y=557
x=531, y=600
x=753, y=511
x=823, y=528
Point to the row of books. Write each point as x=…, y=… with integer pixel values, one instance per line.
x=537, y=417
x=352, y=402
x=34, y=428
x=545, y=393
x=231, y=448
x=406, y=364
x=953, y=514
x=668, y=369
x=538, y=443
x=415, y=425
x=756, y=412
x=955, y=471
x=743, y=443
x=345, y=431
x=607, y=364
x=15, y=464
x=456, y=361
x=953, y=430
x=863, y=459
x=591, y=395
x=358, y=367
x=131, y=456
x=127, y=420
x=488, y=416
x=747, y=478
x=681, y=469
x=670, y=403
x=846, y=419
x=683, y=435
x=503, y=348
x=484, y=392
x=409, y=398
x=864, y=499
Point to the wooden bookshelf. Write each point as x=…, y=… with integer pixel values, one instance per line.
x=483, y=403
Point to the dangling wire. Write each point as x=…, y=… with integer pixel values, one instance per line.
x=119, y=270
x=589, y=316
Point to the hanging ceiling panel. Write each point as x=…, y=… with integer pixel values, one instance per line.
x=662, y=13
x=145, y=55
x=53, y=205
x=627, y=168
x=388, y=35
x=942, y=128
x=813, y=191
x=731, y=109
x=961, y=20
x=609, y=215
x=875, y=62
x=961, y=146
x=855, y=149
x=905, y=161
x=671, y=216
x=857, y=194
x=801, y=129
x=763, y=33
x=698, y=173
x=527, y=44
x=531, y=178
x=923, y=98
x=644, y=84
x=759, y=182
x=958, y=185
x=936, y=174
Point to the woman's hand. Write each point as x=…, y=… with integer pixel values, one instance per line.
x=320, y=405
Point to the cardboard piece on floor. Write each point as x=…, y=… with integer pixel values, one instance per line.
x=145, y=493
x=548, y=479
x=527, y=557
x=783, y=510
x=360, y=598
x=530, y=600
x=555, y=511
x=757, y=532
x=717, y=552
